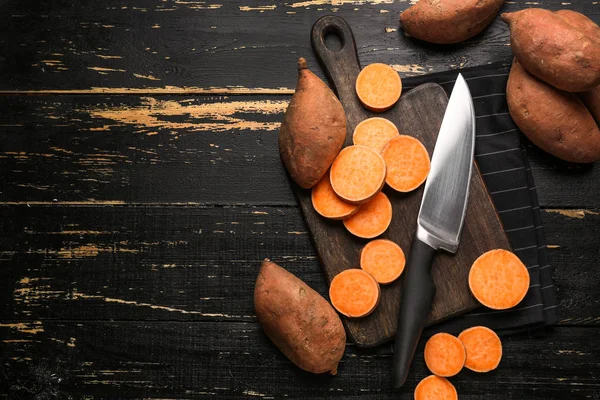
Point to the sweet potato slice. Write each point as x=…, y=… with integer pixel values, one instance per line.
x=374, y=133
x=329, y=204
x=484, y=348
x=357, y=174
x=372, y=219
x=498, y=279
x=383, y=259
x=378, y=87
x=445, y=355
x=407, y=163
x=435, y=388
x=354, y=293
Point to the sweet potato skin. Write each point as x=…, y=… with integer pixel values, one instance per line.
x=556, y=121
x=581, y=22
x=591, y=99
x=313, y=129
x=449, y=21
x=553, y=50
x=299, y=321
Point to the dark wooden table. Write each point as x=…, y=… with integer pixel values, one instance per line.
x=141, y=186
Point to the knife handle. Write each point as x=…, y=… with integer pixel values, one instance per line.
x=417, y=295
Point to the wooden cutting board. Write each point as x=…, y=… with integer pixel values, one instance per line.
x=419, y=113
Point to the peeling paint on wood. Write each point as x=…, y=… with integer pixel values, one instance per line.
x=149, y=77
x=198, y=5
x=257, y=8
x=104, y=69
x=64, y=203
x=579, y=214
x=154, y=114
x=103, y=56
x=33, y=327
x=166, y=90
x=411, y=69
x=77, y=295
x=310, y=3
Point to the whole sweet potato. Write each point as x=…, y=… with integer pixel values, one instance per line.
x=301, y=323
x=581, y=22
x=554, y=120
x=591, y=99
x=553, y=50
x=449, y=21
x=313, y=129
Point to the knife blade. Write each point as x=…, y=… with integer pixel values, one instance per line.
x=439, y=223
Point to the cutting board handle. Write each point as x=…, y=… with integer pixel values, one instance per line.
x=341, y=66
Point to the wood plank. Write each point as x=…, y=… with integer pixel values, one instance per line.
x=180, y=45
x=143, y=149
x=560, y=182
x=180, y=149
x=189, y=263
x=183, y=360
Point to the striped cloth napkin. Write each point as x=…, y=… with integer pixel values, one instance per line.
x=503, y=164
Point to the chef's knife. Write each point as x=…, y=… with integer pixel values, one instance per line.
x=439, y=224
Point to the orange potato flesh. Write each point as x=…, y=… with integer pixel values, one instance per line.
x=354, y=293
x=407, y=163
x=374, y=133
x=484, y=348
x=435, y=388
x=498, y=279
x=444, y=355
x=383, y=259
x=327, y=203
x=378, y=87
x=357, y=174
x=372, y=219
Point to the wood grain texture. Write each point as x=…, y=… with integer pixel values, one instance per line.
x=179, y=149
x=101, y=296
x=181, y=46
x=157, y=360
x=189, y=263
x=419, y=113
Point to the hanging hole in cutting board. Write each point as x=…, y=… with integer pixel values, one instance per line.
x=333, y=38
